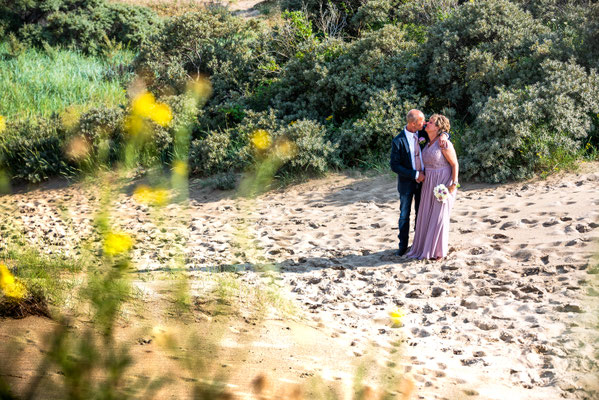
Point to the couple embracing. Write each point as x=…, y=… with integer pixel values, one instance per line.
x=426, y=164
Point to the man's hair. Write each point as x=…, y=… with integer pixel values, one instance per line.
x=441, y=121
x=414, y=115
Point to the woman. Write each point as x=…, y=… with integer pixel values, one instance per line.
x=440, y=167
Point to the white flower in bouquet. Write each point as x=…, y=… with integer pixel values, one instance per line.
x=441, y=192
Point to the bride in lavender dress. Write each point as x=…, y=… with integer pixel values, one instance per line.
x=440, y=166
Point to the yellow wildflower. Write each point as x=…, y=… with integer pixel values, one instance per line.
x=396, y=316
x=261, y=139
x=330, y=117
x=2, y=124
x=160, y=197
x=162, y=114
x=180, y=167
x=145, y=106
x=116, y=243
x=134, y=124
x=146, y=195
x=9, y=285
x=292, y=123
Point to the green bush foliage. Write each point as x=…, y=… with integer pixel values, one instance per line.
x=212, y=43
x=368, y=137
x=380, y=60
x=103, y=130
x=32, y=150
x=89, y=25
x=521, y=130
x=482, y=45
x=313, y=151
x=229, y=149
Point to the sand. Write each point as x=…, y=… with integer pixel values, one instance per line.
x=511, y=312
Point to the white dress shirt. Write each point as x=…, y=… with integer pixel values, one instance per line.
x=410, y=136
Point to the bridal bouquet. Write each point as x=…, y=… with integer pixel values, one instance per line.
x=441, y=192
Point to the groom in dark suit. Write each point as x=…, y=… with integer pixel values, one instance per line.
x=407, y=164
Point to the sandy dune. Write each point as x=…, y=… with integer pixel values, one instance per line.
x=510, y=313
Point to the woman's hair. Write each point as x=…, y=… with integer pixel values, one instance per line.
x=441, y=122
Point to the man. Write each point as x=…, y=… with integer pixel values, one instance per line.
x=406, y=162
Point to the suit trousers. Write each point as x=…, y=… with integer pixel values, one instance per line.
x=408, y=191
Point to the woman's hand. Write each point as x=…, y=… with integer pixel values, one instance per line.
x=452, y=188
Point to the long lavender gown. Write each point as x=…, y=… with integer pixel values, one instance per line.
x=432, y=225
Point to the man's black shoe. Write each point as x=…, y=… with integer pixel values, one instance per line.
x=401, y=252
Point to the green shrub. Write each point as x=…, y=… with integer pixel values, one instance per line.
x=481, y=46
x=90, y=25
x=300, y=91
x=380, y=60
x=314, y=152
x=315, y=8
x=590, y=48
x=425, y=12
x=374, y=14
x=230, y=149
x=103, y=130
x=211, y=43
x=524, y=130
x=32, y=150
x=209, y=155
x=369, y=137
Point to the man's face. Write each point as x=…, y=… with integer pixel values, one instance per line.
x=419, y=123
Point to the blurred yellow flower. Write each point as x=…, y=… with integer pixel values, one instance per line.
x=164, y=336
x=10, y=286
x=2, y=124
x=145, y=106
x=396, y=316
x=180, y=167
x=292, y=123
x=201, y=88
x=147, y=195
x=330, y=117
x=116, y=243
x=261, y=139
x=162, y=114
x=134, y=124
x=286, y=149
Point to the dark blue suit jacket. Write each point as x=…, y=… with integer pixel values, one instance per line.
x=401, y=162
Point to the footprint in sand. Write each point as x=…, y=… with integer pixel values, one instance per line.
x=528, y=221
x=550, y=222
x=509, y=224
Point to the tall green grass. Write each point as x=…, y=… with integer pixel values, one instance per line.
x=37, y=82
